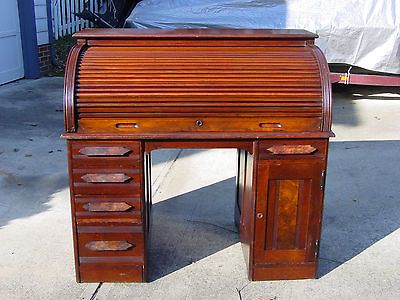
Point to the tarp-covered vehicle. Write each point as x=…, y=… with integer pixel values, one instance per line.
x=358, y=33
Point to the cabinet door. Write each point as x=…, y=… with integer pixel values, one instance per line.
x=288, y=212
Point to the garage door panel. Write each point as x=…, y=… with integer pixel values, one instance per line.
x=11, y=63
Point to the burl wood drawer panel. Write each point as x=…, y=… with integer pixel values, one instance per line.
x=293, y=149
x=109, y=209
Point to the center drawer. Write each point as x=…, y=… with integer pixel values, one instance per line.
x=200, y=124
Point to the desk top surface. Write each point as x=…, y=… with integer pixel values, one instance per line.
x=195, y=34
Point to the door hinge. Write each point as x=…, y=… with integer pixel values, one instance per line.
x=316, y=248
x=322, y=186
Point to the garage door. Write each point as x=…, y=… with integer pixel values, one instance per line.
x=11, y=63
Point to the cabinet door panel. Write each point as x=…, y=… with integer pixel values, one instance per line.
x=288, y=212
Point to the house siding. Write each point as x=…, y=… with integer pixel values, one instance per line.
x=42, y=30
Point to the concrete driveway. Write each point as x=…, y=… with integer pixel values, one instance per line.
x=195, y=253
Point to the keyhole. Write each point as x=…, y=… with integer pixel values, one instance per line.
x=199, y=123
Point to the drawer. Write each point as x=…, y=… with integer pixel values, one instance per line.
x=110, y=241
x=100, y=181
x=292, y=149
x=106, y=271
x=110, y=209
x=200, y=124
x=105, y=154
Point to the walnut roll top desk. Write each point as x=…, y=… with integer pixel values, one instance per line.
x=265, y=92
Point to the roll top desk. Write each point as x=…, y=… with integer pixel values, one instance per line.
x=265, y=92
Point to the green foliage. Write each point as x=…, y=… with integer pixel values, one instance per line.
x=62, y=48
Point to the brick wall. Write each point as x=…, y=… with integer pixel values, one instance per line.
x=45, y=58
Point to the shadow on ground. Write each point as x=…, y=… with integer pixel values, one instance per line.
x=191, y=226
x=361, y=207
x=361, y=201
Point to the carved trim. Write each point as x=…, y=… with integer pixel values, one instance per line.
x=107, y=206
x=291, y=149
x=104, y=151
x=106, y=178
x=109, y=245
x=69, y=87
x=270, y=125
x=326, y=88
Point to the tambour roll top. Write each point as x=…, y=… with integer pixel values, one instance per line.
x=161, y=82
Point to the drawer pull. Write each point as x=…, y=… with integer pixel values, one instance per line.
x=270, y=125
x=106, y=178
x=108, y=206
x=291, y=149
x=127, y=125
x=104, y=151
x=109, y=245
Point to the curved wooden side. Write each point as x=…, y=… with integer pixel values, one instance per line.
x=69, y=87
x=326, y=88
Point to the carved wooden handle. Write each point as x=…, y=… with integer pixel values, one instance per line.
x=106, y=178
x=270, y=125
x=292, y=149
x=109, y=245
x=127, y=125
x=104, y=151
x=107, y=206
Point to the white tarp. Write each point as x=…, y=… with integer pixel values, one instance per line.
x=360, y=33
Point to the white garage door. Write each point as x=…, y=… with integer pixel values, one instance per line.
x=11, y=63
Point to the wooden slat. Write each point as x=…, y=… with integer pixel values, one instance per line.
x=283, y=81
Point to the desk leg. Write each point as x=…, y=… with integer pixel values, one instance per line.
x=245, y=196
x=148, y=202
x=240, y=181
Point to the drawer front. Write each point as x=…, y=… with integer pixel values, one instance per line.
x=105, y=154
x=93, y=149
x=110, y=241
x=110, y=209
x=106, y=162
x=110, y=272
x=106, y=181
x=292, y=149
x=200, y=124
